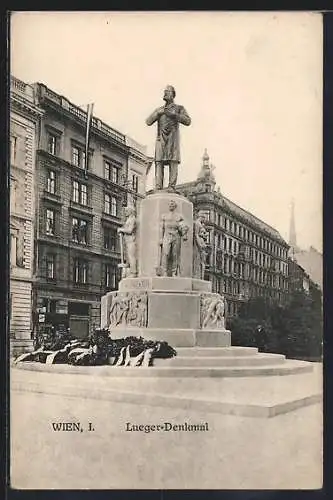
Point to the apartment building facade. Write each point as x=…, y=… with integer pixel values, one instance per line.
x=246, y=257
x=78, y=212
x=25, y=117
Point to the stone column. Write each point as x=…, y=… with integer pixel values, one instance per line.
x=151, y=210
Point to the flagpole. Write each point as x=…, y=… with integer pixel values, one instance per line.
x=90, y=108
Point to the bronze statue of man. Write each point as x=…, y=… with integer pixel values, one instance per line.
x=167, y=148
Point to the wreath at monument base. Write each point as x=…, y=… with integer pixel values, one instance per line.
x=99, y=349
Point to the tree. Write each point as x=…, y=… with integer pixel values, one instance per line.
x=294, y=330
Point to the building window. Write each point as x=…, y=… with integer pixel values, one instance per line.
x=75, y=192
x=110, y=238
x=107, y=203
x=79, y=193
x=111, y=172
x=75, y=156
x=13, y=194
x=80, y=271
x=51, y=182
x=110, y=205
x=50, y=266
x=52, y=142
x=13, y=150
x=79, y=231
x=84, y=197
x=135, y=182
x=78, y=157
x=50, y=225
x=110, y=276
x=114, y=174
x=13, y=250
x=107, y=170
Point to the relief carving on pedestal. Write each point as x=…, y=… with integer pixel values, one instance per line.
x=130, y=309
x=212, y=311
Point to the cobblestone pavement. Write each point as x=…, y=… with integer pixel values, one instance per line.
x=235, y=453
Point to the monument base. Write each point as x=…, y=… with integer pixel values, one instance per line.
x=185, y=337
x=181, y=311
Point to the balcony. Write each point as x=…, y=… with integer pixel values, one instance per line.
x=83, y=209
x=115, y=219
x=52, y=197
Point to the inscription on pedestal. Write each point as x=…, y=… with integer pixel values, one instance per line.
x=137, y=284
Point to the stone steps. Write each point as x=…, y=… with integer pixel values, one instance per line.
x=246, y=396
x=221, y=360
x=216, y=351
x=288, y=367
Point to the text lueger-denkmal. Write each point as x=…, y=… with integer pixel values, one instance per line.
x=167, y=426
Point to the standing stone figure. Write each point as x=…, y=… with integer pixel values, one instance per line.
x=167, y=149
x=200, y=235
x=129, y=232
x=173, y=231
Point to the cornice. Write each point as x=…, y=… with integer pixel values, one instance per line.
x=24, y=106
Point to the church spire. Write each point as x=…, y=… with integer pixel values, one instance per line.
x=292, y=228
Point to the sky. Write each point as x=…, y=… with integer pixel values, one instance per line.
x=251, y=82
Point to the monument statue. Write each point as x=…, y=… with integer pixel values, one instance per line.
x=128, y=243
x=200, y=235
x=167, y=148
x=173, y=231
x=165, y=296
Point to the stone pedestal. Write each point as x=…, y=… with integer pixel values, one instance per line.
x=180, y=310
x=151, y=210
x=161, y=308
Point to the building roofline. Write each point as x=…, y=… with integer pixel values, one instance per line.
x=98, y=125
x=245, y=212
